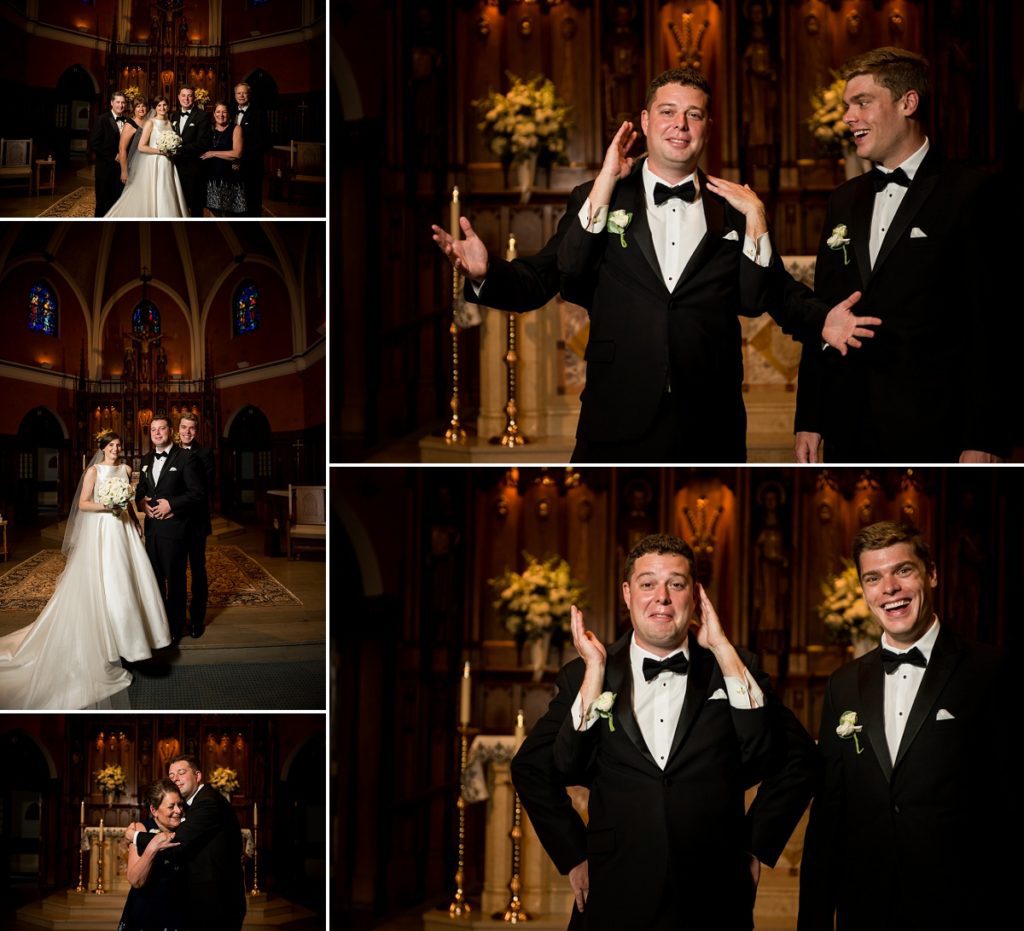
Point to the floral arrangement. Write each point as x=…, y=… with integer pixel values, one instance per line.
x=115, y=493
x=224, y=779
x=843, y=608
x=167, y=142
x=111, y=778
x=826, y=120
x=131, y=92
x=202, y=97
x=528, y=120
x=537, y=601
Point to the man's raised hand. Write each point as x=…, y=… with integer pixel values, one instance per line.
x=842, y=327
x=586, y=643
x=468, y=256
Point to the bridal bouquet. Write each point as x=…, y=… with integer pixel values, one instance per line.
x=167, y=142
x=826, y=120
x=528, y=120
x=115, y=493
x=844, y=610
x=111, y=778
x=536, y=602
x=224, y=779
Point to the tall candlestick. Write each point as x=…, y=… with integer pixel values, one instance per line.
x=455, y=231
x=520, y=730
x=464, y=703
x=255, y=816
x=511, y=253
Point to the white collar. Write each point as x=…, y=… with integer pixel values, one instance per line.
x=199, y=789
x=925, y=643
x=651, y=179
x=911, y=164
x=637, y=655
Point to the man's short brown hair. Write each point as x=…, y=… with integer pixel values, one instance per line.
x=659, y=543
x=192, y=761
x=896, y=69
x=191, y=415
x=687, y=77
x=888, y=533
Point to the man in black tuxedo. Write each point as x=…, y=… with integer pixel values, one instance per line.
x=199, y=524
x=663, y=258
x=254, y=146
x=170, y=488
x=916, y=826
x=688, y=726
x=192, y=123
x=210, y=840
x=103, y=143
x=912, y=236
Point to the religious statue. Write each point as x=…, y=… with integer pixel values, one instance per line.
x=771, y=569
x=760, y=98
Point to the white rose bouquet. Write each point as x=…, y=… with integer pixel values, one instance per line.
x=843, y=608
x=529, y=120
x=115, y=493
x=167, y=142
x=538, y=600
x=826, y=119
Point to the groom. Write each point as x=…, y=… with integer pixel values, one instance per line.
x=199, y=525
x=103, y=143
x=170, y=488
x=192, y=123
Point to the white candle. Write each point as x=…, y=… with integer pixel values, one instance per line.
x=101, y=831
x=455, y=213
x=464, y=703
x=81, y=813
x=511, y=254
x=255, y=816
x=520, y=730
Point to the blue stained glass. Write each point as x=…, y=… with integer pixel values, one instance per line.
x=247, y=309
x=42, y=310
x=146, y=318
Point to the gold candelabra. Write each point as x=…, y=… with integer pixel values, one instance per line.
x=255, y=890
x=99, y=890
x=81, y=874
x=514, y=912
x=511, y=436
x=459, y=906
x=455, y=434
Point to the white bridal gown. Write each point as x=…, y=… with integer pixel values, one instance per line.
x=153, y=188
x=106, y=605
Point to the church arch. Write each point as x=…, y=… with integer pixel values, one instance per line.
x=345, y=82
x=157, y=284
x=361, y=546
x=43, y=459
x=246, y=459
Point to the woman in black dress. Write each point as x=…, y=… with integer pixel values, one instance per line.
x=225, y=193
x=156, y=901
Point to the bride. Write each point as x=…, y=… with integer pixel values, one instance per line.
x=106, y=604
x=153, y=188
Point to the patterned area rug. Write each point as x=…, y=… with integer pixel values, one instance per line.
x=81, y=202
x=235, y=580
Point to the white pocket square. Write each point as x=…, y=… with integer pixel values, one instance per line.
x=918, y=233
x=718, y=694
x=174, y=468
x=732, y=236
x=944, y=715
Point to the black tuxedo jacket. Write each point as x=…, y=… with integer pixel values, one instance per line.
x=682, y=828
x=211, y=846
x=922, y=841
x=928, y=385
x=643, y=336
x=196, y=137
x=200, y=516
x=181, y=483
x=104, y=138
x=254, y=133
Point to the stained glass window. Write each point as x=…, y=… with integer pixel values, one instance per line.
x=42, y=310
x=246, y=311
x=146, y=318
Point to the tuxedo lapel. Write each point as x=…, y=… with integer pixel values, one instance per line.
x=925, y=180
x=714, y=217
x=702, y=666
x=944, y=659
x=618, y=678
x=172, y=456
x=634, y=200
x=860, y=226
x=870, y=684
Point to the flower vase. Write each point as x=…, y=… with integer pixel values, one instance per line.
x=526, y=178
x=854, y=165
x=539, y=649
x=862, y=644
x=108, y=799
x=227, y=795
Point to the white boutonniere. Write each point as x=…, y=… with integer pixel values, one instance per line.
x=618, y=220
x=839, y=240
x=848, y=727
x=145, y=468
x=601, y=707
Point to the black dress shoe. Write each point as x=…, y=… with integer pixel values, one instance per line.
x=196, y=631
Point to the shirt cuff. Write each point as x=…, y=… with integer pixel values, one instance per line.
x=744, y=693
x=477, y=286
x=577, y=716
x=760, y=253
x=595, y=223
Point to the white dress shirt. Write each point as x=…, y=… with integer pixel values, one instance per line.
x=902, y=685
x=182, y=120
x=158, y=464
x=888, y=200
x=657, y=704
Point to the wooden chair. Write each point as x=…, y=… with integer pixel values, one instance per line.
x=16, y=162
x=307, y=518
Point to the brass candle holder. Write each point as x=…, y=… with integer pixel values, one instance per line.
x=99, y=890
x=514, y=912
x=459, y=907
x=511, y=437
x=81, y=874
x=455, y=434
x=255, y=890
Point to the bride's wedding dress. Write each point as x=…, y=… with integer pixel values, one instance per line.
x=106, y=605
x=153, y=188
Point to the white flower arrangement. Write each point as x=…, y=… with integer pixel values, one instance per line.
x=111, y=778
x=529, y=120
x=839, y=240
x=538, y=600
x=224, y=779
x=202, y=97
x=826, y=119
x=115, y=493
x=131, y=92
x=843, y=608
x=601, y=707
x=848, y=727
x=167, y=142
x=618, y=221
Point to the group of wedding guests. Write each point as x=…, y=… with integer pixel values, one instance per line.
x=215, y=165
x=123, y=594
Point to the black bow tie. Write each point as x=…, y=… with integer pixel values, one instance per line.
x=186, y=112
x=157, y=456
x=242, y=109
x=892, y=661
x=883, y=179
x=662, y=192
x=677, y=662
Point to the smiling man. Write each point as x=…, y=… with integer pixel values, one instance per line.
x=667, y=727
x=912, y=236
x=913, y=827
